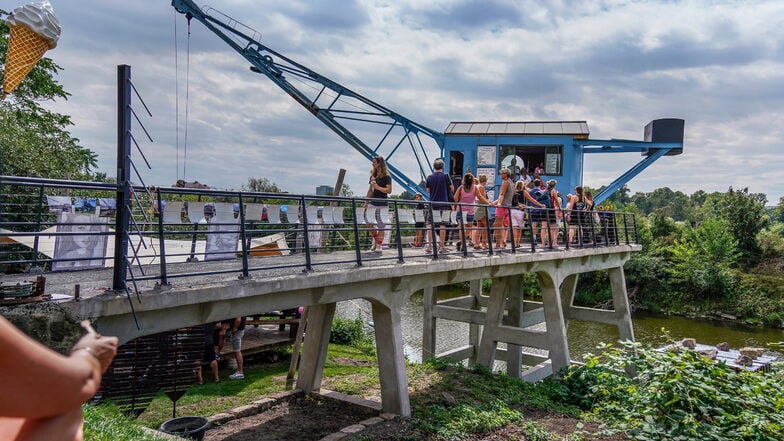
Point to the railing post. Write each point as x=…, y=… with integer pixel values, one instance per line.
x=634, y=225
x=38, y=223
x=356, y=232
x=245, y=273
x=566, y=227
x=398, y=233
x=511, y=229
x=626, y=228
x=434, y=241
x=164, y=280
x=305, y=238
x=461, y=217
x=489, y=233
x=123, y=176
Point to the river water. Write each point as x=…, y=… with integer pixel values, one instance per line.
x=583, y=336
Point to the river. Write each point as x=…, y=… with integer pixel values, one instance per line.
x=583, y=336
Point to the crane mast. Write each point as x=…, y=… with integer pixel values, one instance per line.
x=332, y=103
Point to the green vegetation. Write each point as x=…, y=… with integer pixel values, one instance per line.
x=702, y=253
x=33, y=140
x=677, y=395
x=106, y=423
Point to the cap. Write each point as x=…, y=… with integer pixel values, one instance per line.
x=551, y=183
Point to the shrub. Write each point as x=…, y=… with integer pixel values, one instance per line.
x=680, y=395
x=347, y=332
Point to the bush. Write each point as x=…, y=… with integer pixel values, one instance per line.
x=679, y=395
x=348, y=332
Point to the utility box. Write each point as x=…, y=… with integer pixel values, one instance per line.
x=664, y=130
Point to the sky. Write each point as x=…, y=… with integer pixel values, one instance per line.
x=615, y=64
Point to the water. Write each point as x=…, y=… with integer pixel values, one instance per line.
x=583, y=336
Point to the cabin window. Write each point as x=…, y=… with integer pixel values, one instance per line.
x=519, y=158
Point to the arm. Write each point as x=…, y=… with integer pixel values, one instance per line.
x=38, y=382
x=385, y=189
x=458, y=193
x=502, y=192
x=481, y=196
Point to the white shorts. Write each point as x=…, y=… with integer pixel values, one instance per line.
x=518, y=218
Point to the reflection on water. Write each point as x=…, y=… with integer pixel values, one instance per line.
x=583, y=336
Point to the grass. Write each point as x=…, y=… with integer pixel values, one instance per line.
x=484, y=401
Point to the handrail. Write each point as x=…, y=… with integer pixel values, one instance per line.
x=26, y=218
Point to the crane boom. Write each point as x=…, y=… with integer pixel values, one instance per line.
x=333, y=104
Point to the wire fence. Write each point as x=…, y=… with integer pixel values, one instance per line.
x=57, y=225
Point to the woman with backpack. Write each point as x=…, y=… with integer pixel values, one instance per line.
x=578, y=216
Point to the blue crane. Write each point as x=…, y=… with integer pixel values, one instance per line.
x=357, y=120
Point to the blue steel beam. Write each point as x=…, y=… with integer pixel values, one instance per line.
x=276, y=67
x=625, y=146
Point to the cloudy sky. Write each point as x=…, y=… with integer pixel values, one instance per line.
x=615, y=64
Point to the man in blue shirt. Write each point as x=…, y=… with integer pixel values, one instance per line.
x=439, y=187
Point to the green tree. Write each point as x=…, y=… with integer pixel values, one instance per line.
x=701, y=260
x=745, y=216
x=778, y=212
x=33, y=140
x=261, y=185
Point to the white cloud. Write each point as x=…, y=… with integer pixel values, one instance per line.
x=616, y=64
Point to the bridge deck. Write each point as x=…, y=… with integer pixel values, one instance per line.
x=192, y=274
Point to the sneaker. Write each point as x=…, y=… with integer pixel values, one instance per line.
x=444, y=250
x=237, y=376
x=429, y=250
x=374, y=247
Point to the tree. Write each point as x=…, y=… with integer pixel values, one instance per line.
x=745, y=216
x=261, y=185
x=702, y=259
x=778, y=212
x=33, y=140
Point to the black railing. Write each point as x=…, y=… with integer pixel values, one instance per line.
x=54, y=225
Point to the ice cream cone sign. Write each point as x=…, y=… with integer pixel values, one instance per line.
x=34, y=30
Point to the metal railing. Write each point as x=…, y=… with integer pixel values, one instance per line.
x=56, y=225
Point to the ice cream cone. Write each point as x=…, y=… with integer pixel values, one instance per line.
x=25, y=49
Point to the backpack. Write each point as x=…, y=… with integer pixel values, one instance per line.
x=543, y=197
x=580, y=204
x=516, y=200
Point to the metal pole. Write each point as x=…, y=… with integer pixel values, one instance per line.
x=38, y=224
x=305, y=238
x=162, y=240
x=123, y=176
x=356, y=232
x=397, y=232
x=245, y=244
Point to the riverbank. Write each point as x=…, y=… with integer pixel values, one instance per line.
x=448, y=402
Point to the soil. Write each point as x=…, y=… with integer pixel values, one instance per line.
x=306, y=419
x=312, y=419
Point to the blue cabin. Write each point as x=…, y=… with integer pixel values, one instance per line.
x=556, y=147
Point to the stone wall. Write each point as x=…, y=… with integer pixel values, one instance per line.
x=46, y=322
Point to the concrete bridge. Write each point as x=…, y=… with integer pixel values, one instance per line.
x=161, y=280
x=500, y=316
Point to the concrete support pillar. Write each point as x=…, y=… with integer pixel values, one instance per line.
x=314, y=350
x=429, y=324
x=621, y=304
x=474, y=331
x=494, y=318
x=554, y=320
x=391, y=365
x=568, y=290
x=514, y=353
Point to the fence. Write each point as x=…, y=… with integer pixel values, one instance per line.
x=57, y=225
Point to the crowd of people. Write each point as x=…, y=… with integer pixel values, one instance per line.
x=528, y=202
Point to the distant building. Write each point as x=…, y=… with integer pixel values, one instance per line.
x=324, y=190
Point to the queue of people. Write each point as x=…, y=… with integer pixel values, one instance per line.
x=529, y=201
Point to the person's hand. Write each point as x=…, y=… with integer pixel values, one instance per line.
x=102, y=348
